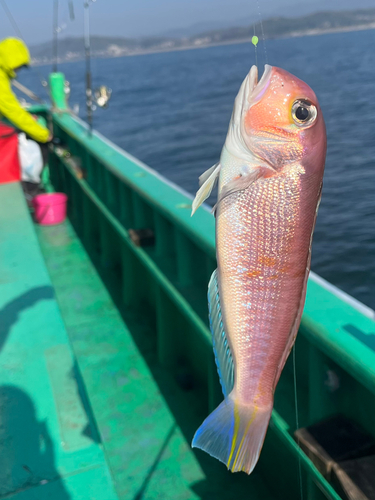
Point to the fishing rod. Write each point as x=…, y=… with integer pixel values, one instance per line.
x=20, y=36
x=27, y=91
x=89, y=100
x=101, y=95
x=11, y=19
x=55, y=28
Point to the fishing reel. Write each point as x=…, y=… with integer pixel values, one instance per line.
x=67, y=90
x=102, y=95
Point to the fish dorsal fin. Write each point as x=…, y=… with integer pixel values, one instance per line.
x=207, y=182
x=223, y=355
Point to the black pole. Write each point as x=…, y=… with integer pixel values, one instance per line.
x=88, y=65
x=71, y=10
x=55, y=29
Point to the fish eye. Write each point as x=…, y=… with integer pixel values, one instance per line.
x=303, y=113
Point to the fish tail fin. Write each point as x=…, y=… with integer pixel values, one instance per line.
x=234, y=434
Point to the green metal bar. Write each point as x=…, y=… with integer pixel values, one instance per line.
x=39, y=109
x=90, y=228
x=88, y=167
x=57, y=88
x=165, y=236
x=112, y=192
x=185, y=259
x=126, y=207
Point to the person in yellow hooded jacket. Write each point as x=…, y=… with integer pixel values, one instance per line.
x=13, y=55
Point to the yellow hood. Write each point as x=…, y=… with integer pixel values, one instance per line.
x=13, y=53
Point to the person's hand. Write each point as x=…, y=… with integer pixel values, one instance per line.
x=50, y=137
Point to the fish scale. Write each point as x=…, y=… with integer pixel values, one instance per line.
x=248, y=305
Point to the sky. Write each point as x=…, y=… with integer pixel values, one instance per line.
x=132, y=18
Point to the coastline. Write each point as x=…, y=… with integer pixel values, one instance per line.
x=294, y=34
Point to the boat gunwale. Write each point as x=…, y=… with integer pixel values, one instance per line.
x=318, y=325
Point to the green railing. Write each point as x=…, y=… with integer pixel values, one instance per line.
x=164, y=283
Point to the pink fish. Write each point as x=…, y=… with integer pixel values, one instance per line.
x=270, y=179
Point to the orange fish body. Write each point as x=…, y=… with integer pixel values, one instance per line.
x=270, y=178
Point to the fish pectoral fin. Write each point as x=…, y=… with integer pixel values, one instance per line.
x=207, y=182
x=223, y=354
x=239, y=184
x=207, y=173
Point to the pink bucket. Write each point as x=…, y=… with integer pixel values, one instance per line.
x=50, y=208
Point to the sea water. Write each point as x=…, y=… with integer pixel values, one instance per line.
x=172, y=110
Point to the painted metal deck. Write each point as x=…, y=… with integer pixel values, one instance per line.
x=48, y=444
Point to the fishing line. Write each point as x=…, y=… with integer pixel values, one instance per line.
x=254, y=41
x=55, y=27
x=11, y=19
x=297, y=419
x=43, y=81
x=58, y=28
x=263, y=37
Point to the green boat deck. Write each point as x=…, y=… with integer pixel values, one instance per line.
x=48, y=443
x=106, y=363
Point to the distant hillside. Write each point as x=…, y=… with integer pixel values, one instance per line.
x=72, y=48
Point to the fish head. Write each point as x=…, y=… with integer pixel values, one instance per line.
x=278, y=120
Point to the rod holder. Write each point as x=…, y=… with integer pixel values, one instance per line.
x=57, y=87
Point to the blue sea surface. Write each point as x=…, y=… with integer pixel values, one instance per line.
x=172, y=110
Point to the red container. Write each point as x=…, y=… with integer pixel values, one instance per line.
x=10, y=170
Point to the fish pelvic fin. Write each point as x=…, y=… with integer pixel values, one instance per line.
x=234, y=434
x=207, y=182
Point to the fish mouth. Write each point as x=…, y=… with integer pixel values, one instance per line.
x=250, y=92
x=257, y=89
